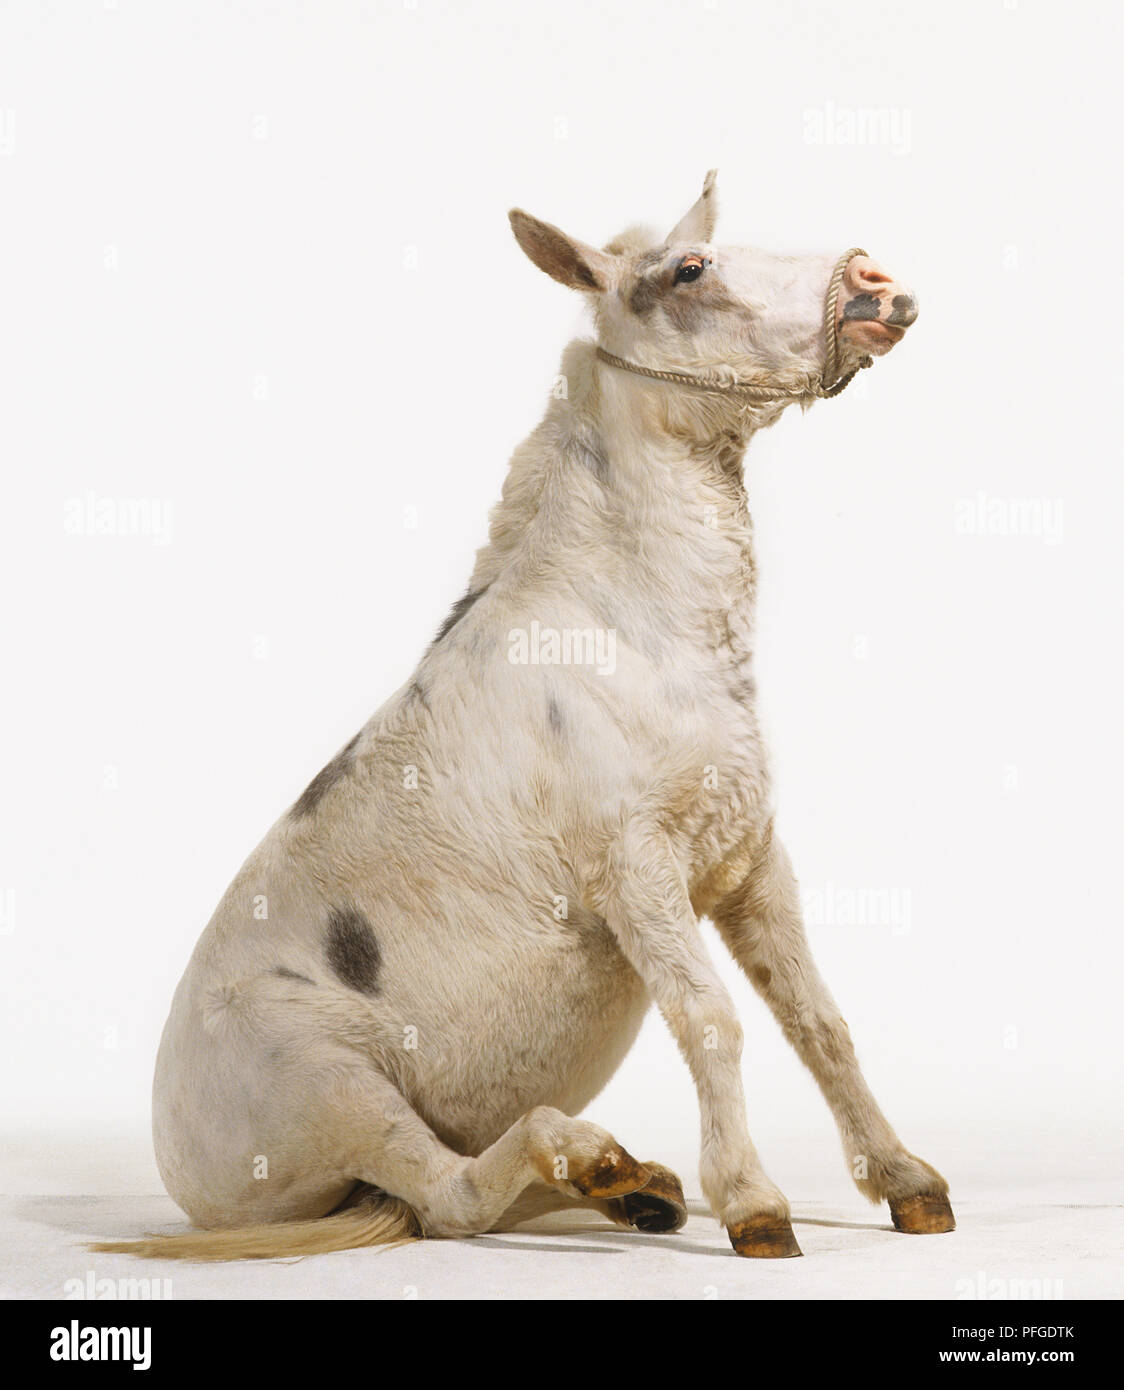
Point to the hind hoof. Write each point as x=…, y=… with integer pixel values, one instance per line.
x=765, y=1238
x=923, y=1216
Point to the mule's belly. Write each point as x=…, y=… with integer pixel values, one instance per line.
x=550, y=1028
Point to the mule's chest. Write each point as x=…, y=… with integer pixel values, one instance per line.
x=709, y=774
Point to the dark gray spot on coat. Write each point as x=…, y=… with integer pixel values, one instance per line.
x=863, y=306
x=645, y=296
x=554, y=714
x=743, y=690
x=688, y=306
x=903, y=310
x=325, y=780
x=457, y=612
x=353, y=950
x=644, y=268
x=287, y=974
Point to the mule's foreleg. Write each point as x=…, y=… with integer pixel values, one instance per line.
x=657, y=1208
x=763, y=926
x=643, y=897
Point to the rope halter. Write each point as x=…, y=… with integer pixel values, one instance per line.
x=830, y=382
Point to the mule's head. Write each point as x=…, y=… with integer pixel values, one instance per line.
x=685, y=304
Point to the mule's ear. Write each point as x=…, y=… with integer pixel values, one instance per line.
x=570, y=262
x=698, y=223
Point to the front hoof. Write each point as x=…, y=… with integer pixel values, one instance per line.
x=764, y=1238
x=659, y=1206
x=923, y=1216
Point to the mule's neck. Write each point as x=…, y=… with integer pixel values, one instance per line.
x=631, y=493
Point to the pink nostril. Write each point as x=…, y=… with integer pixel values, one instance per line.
x=871, y=275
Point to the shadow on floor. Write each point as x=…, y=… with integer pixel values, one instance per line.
x=101, y=1218
x=127, y=1218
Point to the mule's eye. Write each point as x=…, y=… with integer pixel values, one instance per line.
x=689, y=269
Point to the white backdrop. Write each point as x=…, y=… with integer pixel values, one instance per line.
x=259, y=299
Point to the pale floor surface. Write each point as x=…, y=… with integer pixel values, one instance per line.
x=1041, y=1235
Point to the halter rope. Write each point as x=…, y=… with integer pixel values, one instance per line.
x=824, y=389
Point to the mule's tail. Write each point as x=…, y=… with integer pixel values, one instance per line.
x=373, y=1218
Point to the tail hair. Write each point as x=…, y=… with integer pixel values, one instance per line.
x=374, y=1218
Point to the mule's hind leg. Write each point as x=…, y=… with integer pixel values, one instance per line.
x=386, y=1143
x=762, y=924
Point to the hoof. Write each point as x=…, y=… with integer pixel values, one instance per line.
x=766, y=1238
x=658, y=1206
x=614, y=1174
x=922, y=1216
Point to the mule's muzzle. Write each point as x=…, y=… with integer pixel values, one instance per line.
x=874, y=309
